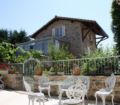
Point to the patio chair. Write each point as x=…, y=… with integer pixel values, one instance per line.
x=65, y=85
x=44, y=84
x=1, y=83
x=108, y=90
x=31, y=95
x=75, y=95
x=86, y=81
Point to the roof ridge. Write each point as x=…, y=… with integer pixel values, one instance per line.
x=62, y=17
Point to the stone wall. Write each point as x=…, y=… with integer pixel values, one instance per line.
x=14, y=81
x=96, y=83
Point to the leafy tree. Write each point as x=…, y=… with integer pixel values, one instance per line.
x=7, y=52
x=116, y=23
x=22, y=57
x=13, y=36
x=3, y=35
x=36, y=54
x=18, y=37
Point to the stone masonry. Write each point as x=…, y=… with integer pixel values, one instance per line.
x=14, y=81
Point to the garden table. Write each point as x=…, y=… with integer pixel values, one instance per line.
x=55, y=83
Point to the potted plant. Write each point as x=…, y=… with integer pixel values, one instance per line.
x=76, y=69
x=12, y=70
x=88, y=69
x=52, y=71
x=38, y=69
x=59, y=69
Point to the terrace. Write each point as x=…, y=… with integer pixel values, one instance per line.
x=97, y=69
x=21, y=98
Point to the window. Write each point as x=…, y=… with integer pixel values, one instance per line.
x=31, y=47
x=45, y=47
x=58, y=31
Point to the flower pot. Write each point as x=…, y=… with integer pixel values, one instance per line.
x=108, y=71
x=11, y=72
x=51, y=73
x=76, y=71
x=60, y=73
x=38, y=72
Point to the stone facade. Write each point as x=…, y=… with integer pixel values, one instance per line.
x=13, y=81
x=73, y=36
x=79, y=35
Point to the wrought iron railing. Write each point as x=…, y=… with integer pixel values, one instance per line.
x=88, y=66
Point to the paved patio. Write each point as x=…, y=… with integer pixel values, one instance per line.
x=20, y=98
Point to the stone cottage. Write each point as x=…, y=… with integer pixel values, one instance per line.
x=80, y=35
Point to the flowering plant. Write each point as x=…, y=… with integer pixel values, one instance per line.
x=4, y=66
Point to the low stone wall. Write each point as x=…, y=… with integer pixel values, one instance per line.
x=14, y=81
x=96, y=83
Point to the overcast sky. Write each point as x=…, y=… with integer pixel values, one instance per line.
x=30, y=15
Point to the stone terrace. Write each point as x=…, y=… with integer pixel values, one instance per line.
x=96, y=83
x=20, y=98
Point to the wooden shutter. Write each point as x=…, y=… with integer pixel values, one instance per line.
x=63, y=30
x=53, y=32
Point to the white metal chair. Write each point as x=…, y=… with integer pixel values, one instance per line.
x=32, y=96
x=1, y=83
x=44, y=84
x=75, y=94
x=108, y=90
x=86, y=81
x=65, y=85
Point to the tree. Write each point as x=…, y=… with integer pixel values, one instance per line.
x=116, y=23
x=13, y=36
x=18, y=37
x=7, y=52
x=3, y=35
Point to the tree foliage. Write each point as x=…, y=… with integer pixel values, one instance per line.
x=98, y=60
x=13, y=37
x=3, y=35
x=116, y=23
x=7, y=52
x=59, y=54
x=18, y=37
x=12, y=54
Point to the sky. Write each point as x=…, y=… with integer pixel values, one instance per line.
x=30, y=15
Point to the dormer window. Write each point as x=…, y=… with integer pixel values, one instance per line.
x=58, y=31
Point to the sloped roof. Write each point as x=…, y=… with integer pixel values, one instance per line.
x=93, y=25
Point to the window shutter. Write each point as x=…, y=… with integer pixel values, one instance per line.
x=53, y=32
x=88, y=49
x=63, y=30
x=57, y=44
